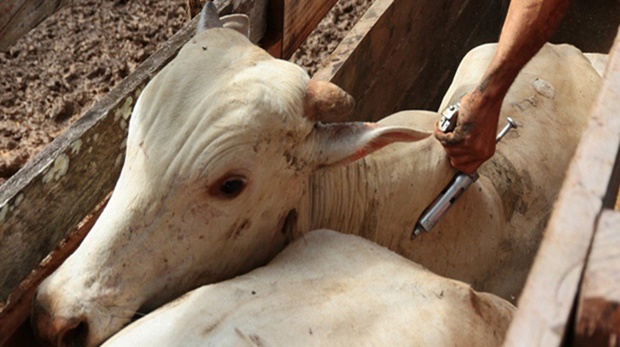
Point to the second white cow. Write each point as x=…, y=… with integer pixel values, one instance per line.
x=328, y=289
x=227, y=161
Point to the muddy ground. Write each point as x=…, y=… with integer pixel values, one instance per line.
x=61, y=68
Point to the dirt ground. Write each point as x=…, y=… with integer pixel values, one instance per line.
x=61, y=68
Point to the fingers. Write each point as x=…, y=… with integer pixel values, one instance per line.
x=457, y=151
x=466, y=155
x=449, y=139
x=473, y=140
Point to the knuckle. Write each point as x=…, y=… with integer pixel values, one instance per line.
x=454, y=164
x=488, y=152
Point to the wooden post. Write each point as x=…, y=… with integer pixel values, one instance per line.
x=18, y=17
x=598, y=314
x=289, y=22
x=592, y=179
x=17, y=307
x=388, y=63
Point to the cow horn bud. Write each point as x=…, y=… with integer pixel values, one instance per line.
x=209, y=18
x=326, y=102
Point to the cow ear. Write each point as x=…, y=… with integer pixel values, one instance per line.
x=342, y=143
x=237, y=22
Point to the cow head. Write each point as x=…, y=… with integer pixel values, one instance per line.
x=220, y=144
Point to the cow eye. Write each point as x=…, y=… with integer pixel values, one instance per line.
x=229, y=187
x=232, y=186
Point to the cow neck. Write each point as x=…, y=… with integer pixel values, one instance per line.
x=384, y=191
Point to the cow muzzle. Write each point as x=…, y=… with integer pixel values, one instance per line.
x=57, y=330
x=72, y=312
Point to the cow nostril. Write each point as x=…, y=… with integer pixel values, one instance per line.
x=74, y=335
x=57, y=330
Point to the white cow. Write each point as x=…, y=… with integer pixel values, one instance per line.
x=330, y=289
x=226, y=163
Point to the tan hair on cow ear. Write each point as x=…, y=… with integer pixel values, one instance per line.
x=326, y=102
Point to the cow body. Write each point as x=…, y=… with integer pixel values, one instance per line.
x=490, y=236
x=226, y=164
x=328, y=289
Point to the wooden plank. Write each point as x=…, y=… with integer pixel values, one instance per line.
x=551, y=288
x=598, y=314
x=272, y=42
x=395, y=66
x=15, y=311
x=474, y=23
x=427, y=67
x=18, y=17
x=364, y=51
x=300, y=18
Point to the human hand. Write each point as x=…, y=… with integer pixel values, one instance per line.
x=472, y=142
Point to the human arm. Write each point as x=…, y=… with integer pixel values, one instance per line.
x=529, y=24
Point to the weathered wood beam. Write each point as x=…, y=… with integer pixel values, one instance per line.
x=590, y=185
x=15, y=311
x=350, y=64
x=193, y=7
x=272, y=42
x=300, y=17
x=598, y=313
x=388, y=63
x=18, y=17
